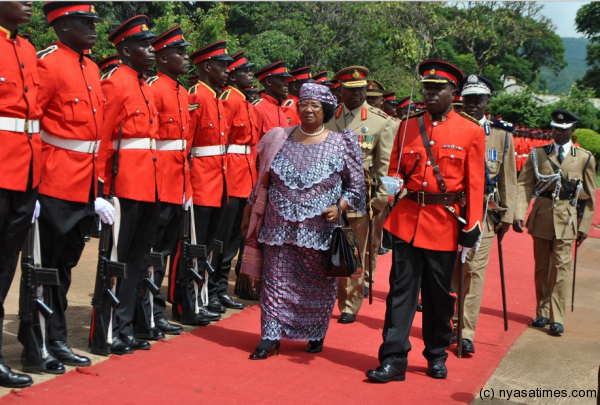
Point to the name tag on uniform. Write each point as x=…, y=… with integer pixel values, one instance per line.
x=492, y=155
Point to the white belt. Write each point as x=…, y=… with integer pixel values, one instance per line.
x=136, y=143
x=203, y=151
x=239, y=149
x=179, y=144
x=19, y=125
x=70, y=144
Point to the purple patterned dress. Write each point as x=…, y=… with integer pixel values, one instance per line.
x=297, y=299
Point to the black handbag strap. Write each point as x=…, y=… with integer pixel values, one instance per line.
x=436, y=169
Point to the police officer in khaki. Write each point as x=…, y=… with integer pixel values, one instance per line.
x=499, y=200
x=563, y=178
x=375, y=131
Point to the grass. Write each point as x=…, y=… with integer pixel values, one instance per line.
x=597, y=179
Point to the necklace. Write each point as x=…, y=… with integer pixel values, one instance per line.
x=319, y=132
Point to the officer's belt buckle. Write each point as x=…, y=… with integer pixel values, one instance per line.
x=421, y=198
x=93, y=147
x=26, y=128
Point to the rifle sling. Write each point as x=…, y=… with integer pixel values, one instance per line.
x=435, y=168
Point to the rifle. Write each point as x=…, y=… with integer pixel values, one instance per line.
x=33, y=279
x=502, y=283
x=580, y=208
x=144, y=318
x=461, y=307
x=106, y=274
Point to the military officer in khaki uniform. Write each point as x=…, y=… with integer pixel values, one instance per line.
x=375, y=131
x=563, y=178
x=499, y=200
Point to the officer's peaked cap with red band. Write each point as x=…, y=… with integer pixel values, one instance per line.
x=170, y=39
x=112, y=60
x=403, y=102
x=215, y=51
x=274, y=69
x=301, y=74
x=321, y=78
x=57, y=9
x=239, y=62
x=390, y=97
x=438, y=71
x=134, y=29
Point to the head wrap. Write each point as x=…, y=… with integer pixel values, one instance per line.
x=318, y=92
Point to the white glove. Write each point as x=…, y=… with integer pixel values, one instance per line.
x=105, y=210
x=463, y=252
x=187, y=204
x=400, y=186
x=36, y=211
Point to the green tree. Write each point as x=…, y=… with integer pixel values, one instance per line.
x=587, y=22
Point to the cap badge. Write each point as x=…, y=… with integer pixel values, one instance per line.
x=92, y=10
x=285, y=69
x=225, y=51
x=472, y=79
x=355, y=74
x=144, y=27
x=559, y=116
x=432, y=72
x=310, y=75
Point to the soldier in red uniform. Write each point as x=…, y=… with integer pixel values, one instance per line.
x=403, y=107
x=290, y=106
x=269, y=112
x=72, y=103
x=444, y=154
x=241, y=169
x=20, y=153
x=138, y=185
x=335, y=88
x=251, y=94
x=389, y=104
x=321, y=78
x=109, y=63
x=171, y=100
x=209, y=156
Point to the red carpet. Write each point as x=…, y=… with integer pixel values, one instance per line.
x=211, y=364
x=595, y=232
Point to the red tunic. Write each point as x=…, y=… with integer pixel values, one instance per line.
x=269, y=114
x=19, y=83
x=241, y=120
x=208, y=128
x=171, y=100
x=72, y=103
x=459, y=150
x=130, y=100
x=290, y=109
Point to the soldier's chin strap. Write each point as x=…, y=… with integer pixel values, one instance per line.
x=204, y=288
x=113, y=256
x=37, y=262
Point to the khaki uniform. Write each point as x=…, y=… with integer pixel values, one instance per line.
x=498, y=138
x=553, y=223
x=375, y=131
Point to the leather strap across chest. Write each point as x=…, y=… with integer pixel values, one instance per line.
x=435, y=168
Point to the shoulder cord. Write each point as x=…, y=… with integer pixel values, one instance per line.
x=543, y=182
x=579, y=187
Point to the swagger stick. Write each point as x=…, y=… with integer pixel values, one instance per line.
x=461, y=305
x=502, y=283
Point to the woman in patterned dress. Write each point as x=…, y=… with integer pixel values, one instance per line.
x=313, y=171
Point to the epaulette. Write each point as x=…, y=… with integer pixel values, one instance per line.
x=547, y=148
x=583, y=150
x=225, y=94
x=193, y=107
x=395, y=119
x=108, y=74
x=45, y=52
x=151, y=80
x=339, y=111
x=507, y=126
x=288, y=103
x=193, y=90
x=467, y=116
x=257, y=101
x=377, y=111
x=417, y=114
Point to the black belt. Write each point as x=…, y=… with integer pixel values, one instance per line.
x=562, y=195
x=425, y=198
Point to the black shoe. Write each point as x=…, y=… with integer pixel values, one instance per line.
x=419, y=306
x=214, y=305
x=50, y=365
x=208, y=315
x=366, y=292
x=437, y=369
x=261, y=354
x=87, y=238
x=243, y=295
x=135, y=344
x=453, y=339
x=382, y=250
x=62, y=351
x=540, y=322
x=198, y=320
x=385, y=374
x=228, y=302
x=118, y=347
x=556, y=328
x=467, y=346
x=10, y=379
x=166, y=327
x=315, y=346
x=345, y=317
x=155, y=334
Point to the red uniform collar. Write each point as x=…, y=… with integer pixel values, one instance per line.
x=201, y=84
x=174, y=83
x=5, y=34
x=270, y=99
x=234, y=89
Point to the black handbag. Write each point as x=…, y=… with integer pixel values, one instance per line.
x=343, y=257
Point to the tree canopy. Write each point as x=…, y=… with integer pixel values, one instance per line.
x=587, y=22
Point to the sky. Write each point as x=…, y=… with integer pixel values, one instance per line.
x=562, y=14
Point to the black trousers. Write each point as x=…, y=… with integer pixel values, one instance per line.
x=63, y=226
x=431, y=271
x=139, y=221
x=16, y=210
x=207, y=221
x=230, y=233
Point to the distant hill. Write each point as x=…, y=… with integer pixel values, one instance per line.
x=575, y=57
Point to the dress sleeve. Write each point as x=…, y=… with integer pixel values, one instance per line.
x=353, y=179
